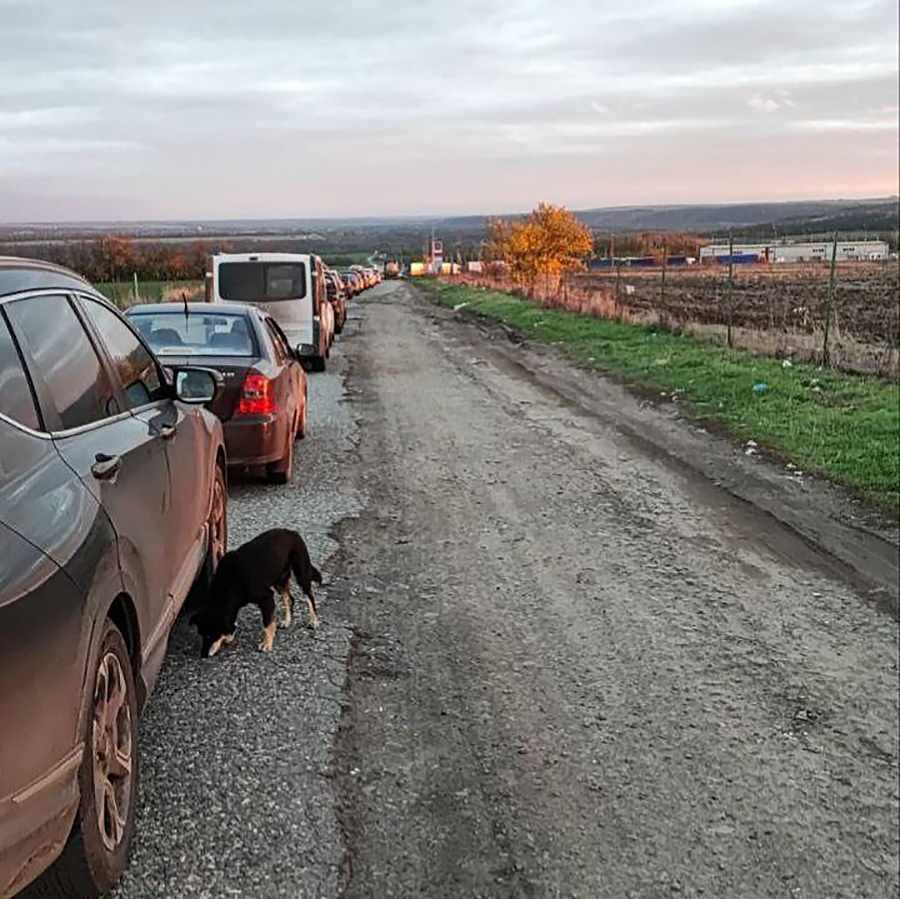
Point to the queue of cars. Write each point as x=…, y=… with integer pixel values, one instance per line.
x=357, y=278
x=117, y=435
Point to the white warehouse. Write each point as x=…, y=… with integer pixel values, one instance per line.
x=810, y=251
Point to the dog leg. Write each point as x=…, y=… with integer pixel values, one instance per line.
x=286, y=600
x=313, y=611
x=270, y=625
x=269, y=636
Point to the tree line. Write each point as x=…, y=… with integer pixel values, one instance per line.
x=114, y=258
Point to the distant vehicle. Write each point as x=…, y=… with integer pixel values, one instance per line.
x=290, y=287
x=113, y=503
x=392, y=269
x=366, y=274
x=264, y=404
x=739, y=259
x=354, y=282
x=337, y=296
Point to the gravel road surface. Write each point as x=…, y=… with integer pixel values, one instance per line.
x=237, y=793
x=554, y=662
x=578, y=669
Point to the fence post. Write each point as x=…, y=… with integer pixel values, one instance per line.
x=829, y=303
x=730, y=295
x=618, y=280
x=662, y=289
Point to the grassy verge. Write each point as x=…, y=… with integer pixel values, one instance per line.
x=844, y=427
x=122, y=292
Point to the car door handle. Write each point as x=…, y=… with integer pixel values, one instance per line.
x=105, y=467
x=167, y=432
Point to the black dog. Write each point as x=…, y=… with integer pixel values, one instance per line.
x=253, y=574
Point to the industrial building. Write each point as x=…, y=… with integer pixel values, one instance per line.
x=806, y=251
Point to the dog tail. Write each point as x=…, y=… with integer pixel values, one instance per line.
x=316, y=574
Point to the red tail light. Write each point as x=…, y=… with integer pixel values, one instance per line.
x=257, y=396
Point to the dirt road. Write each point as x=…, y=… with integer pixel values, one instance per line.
x=577, y=671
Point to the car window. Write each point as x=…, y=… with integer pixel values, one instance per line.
x=282, y=337
x=255, y=282
x=136, y=368
x=197, y=334
x=281, y=351
x=16, y=397
x=58, y=348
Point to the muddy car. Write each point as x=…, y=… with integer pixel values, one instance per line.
x=353, y=283
x=264, y=402
x=337, y=296
x=112, y=505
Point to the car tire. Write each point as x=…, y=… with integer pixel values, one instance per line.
x=318, y=363
x=304, y=418
x=280, y=472
x=96, y=852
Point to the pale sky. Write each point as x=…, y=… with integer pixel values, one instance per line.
x=271, y=108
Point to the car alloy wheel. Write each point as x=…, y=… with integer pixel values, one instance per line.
x=112, y=747
x=218, y=521
x=96, y=852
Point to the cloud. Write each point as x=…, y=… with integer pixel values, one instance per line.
x=278, y=108
x=781, y=100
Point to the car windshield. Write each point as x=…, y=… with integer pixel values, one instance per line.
x=255, y=282
x=197, y=333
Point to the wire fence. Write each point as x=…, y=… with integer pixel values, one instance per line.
x=849, y=319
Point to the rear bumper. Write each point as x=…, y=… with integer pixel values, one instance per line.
x=254, y=440
x=35, y=824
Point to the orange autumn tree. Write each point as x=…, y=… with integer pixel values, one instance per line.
x=549, y=241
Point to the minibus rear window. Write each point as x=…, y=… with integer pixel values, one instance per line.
x=255, y=282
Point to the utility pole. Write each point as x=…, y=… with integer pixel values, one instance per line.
x=829, y=305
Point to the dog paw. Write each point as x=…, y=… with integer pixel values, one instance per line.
x=314, y=623
x=265, y=646
x=286, y=623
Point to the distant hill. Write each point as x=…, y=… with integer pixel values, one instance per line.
x=407, y=234
x=817, y=215
x=881, y=215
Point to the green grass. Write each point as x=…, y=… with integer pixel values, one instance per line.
x=844, y=427
x=122, y=292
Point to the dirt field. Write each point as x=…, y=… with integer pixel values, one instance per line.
x=776, y=309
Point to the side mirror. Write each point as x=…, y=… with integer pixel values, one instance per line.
x=196, y=385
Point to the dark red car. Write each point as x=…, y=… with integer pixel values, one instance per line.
x=263, y=404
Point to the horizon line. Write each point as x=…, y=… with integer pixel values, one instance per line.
x=426, y=216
